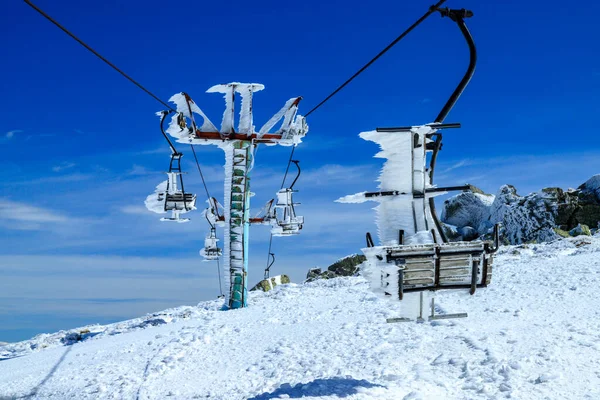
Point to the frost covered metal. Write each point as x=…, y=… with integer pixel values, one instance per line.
x=190, y=125
x=170, y=195
x=403, y=183
x=413, y=254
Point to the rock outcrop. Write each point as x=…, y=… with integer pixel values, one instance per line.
x=537, y=217
x=524, y=219
x=267, y=284
x=468, y=209
x=347, y=266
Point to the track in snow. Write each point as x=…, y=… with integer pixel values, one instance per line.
x=532, y=334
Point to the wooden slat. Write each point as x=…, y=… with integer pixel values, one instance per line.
x=466, y=262
x=419, y=266
x=418, y=274
x=455, y=272
x=419, y=282
x=453, y=280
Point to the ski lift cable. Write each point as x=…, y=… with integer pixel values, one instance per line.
x=219, y=275
x=200, y=172
x=431, y=10
x=98, y=54
x=171, y=109
x=288, y=166
x=165, y=113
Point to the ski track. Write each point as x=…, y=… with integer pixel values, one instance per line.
x=533, y=334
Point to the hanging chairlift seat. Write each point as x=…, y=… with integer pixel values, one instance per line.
x=168, y=197
x=414, y=255
x=176, y=200
x=285, y=222
x=211, y=251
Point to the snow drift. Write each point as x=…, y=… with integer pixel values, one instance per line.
x=534, y=334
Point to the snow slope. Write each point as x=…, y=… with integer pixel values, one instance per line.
x=533, y=334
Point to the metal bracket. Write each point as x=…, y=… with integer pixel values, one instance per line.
x=433, y=317
x=400, y=319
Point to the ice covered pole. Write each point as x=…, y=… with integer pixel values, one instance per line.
x=239, y=146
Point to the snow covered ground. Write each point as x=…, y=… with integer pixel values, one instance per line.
x=533, y=334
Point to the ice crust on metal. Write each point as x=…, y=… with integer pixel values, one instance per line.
x=404, y=171
x=239, y=147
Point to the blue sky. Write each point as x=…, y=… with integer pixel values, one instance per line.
x=81, y=147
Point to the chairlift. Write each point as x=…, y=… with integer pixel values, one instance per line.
x=170, y=195
x=211, y=250
x=214, y=212
x=414, y=254
x=176, y=199
x=284, y=220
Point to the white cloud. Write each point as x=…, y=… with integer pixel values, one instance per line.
x=336, y=174
x=159, y=150
x=97, y=287
x=63, y=166
x=10, y=134
x=21, y=216
x=527, y=172
x=459, y=164
x=137, y=170
x=52, y=179
x=136, y=210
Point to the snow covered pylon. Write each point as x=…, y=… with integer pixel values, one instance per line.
x=412, y=255
x=239, y=146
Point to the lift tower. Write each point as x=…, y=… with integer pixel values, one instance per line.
x=240, y=146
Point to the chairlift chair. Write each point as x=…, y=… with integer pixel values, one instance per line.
x=284, y=220
x=211, y=250
x=170, y=195
x=414, y=254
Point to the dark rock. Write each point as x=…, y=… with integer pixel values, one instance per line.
x=580, y=230
x=267, y=284
x=467, y=209
x=313, y=273
x=468, y=233
x=347, y=266
x=451, y=232
x=537, y=217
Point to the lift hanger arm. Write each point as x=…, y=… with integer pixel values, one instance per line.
x=297, y=176
x=458, y=17
x=162, y=129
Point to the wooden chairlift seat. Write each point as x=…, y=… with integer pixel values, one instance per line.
x=432, y=266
